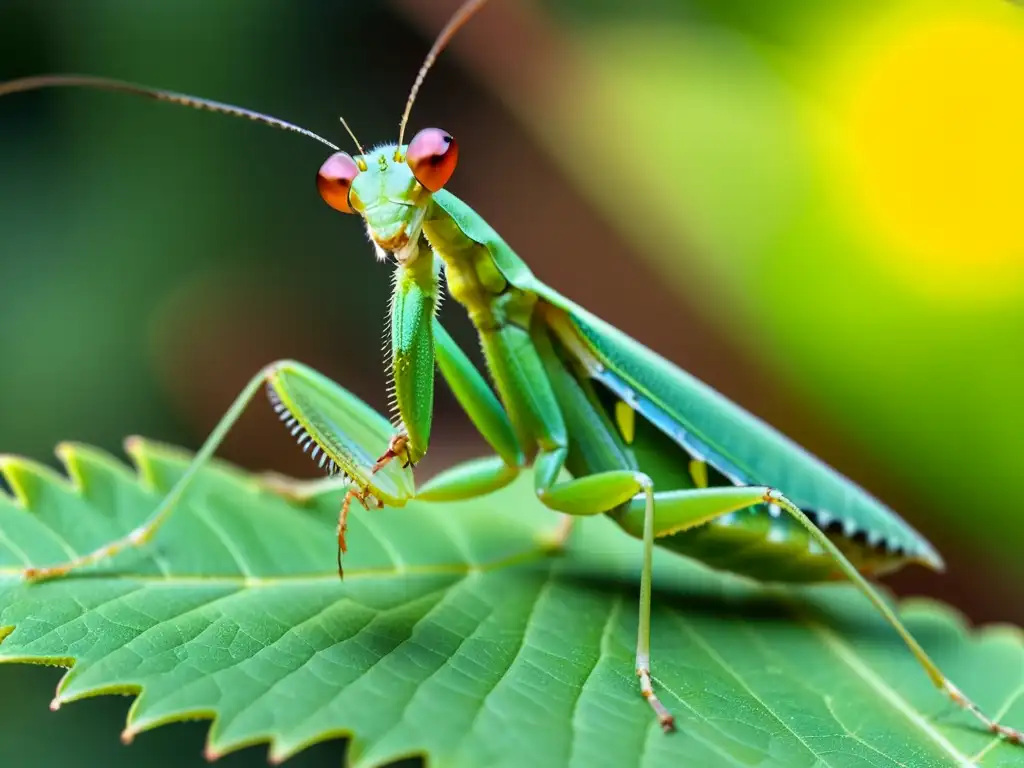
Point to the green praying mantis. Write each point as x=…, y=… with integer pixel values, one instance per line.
x=669, y=459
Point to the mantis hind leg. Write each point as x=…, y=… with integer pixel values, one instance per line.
x=679, y=510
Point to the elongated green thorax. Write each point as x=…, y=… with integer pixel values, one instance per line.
x=413, y=304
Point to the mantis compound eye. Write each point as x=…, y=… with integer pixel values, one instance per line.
x=432, y=156
x=334, y=180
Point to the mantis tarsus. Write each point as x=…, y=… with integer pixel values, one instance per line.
x=673, y=462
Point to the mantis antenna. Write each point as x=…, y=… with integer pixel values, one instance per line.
x=350, y=133
x=106, y=84
x=464, y=14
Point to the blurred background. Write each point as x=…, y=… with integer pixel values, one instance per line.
x=816, y=208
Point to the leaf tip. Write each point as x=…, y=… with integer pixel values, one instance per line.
x=27, y=479
x=133, y=444
x=66, y=449
x=135, y=447
x=128, y=735
x=146, y=454
x=9, y=466
x=69, y=454
x=210, y=754
x=55, y=703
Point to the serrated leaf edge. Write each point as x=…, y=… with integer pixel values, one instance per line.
x=140, y=451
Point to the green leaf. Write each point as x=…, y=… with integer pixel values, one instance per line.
x=458, y=636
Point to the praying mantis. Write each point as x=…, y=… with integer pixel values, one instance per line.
x=671, y=461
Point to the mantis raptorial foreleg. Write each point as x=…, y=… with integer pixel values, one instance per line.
x=299, y=393
x=480, y=476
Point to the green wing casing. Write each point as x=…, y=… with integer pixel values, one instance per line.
x=742, y=447
x=706, y=424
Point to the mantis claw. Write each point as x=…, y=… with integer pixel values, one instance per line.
x=398, y=447
x=363, y=496
x=665, y=718
x=1012, y=735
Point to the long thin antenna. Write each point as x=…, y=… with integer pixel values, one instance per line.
x=464, y=14
x=350, y=133
x=106, y=84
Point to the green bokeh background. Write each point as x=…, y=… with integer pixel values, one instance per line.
x=672, y=165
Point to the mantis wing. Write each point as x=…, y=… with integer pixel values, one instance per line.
x=706, y=424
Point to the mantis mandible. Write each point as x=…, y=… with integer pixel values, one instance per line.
x=672, y=461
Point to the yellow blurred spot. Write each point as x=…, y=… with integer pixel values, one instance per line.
x=699, y=473
x=625, y=418
x=933, y=121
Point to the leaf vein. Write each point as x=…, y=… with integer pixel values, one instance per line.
x=84, y=610
x=398, y=563
x=158, y=624
x=613, y=615
x=857, y=738
x=998, y=715
x=15, y=549
x=542, y=589
x=71, y=552
x=204, y=515
x=900, y=704
x=717, y=658
x=292, y=630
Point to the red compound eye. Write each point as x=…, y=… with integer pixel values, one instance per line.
x=334, y=180
x=432, y=156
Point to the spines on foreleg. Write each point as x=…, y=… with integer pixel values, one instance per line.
x=304, y=439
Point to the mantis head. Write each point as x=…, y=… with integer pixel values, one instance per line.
x=390, y=188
